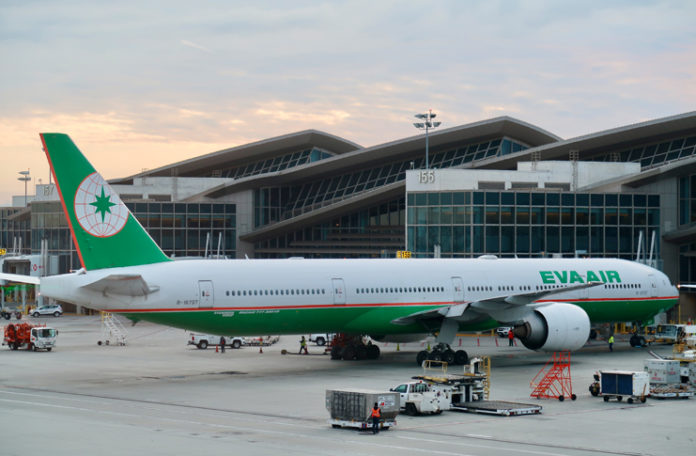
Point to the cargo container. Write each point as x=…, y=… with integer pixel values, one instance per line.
x=620, y=384
x=352, y=407
x=663, y=371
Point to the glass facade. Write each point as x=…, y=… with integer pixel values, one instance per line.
x=281, y=203
x=528, y=224
x=687, y=199
x=278, y=163
x=181, y=229
x=655, y=154
x=373, y=232
x=14, y=227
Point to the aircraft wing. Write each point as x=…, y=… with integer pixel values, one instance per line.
x=20, y=278
x=489, y=305
x=122, y=284
x=524, y=299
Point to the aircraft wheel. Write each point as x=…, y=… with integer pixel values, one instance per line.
x=336, y=352
x=421, y=356
x=360, y=352
x=448, y=356
x=435, y=356
x=348, y=353
x=461, y=357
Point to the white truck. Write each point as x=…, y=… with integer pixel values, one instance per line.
x=416, y=398
x=202, y=341
x=436, y=390
x=320, y=339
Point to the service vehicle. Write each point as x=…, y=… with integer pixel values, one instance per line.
x=502, y=331
x=352, y=407
x=56, y=310
x=416, y=398
x=619, y=384
x=320, y=339
x=202, y=341
x=8, y=312
x=263, y=341
x=436, y=390
x=29, y=336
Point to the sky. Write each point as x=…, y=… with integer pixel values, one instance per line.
x=141, y=84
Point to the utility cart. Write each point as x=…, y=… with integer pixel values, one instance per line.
x=635, y=386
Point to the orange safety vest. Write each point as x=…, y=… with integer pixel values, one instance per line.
x=376, y=413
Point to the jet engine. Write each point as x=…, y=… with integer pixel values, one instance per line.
x=555, y=327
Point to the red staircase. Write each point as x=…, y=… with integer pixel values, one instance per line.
x=553, y=380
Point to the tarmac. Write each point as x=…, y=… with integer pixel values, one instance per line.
x=159, y=396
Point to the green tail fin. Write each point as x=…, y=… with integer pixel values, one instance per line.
x=105, y=232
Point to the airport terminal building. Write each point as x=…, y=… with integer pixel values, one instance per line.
x=495, y=187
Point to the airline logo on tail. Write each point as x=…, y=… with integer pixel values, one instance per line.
x=105, y=233
x=98, y=208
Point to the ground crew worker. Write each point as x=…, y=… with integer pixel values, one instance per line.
x=222, y=344
x=511, y=338
x=611, y=343
x=376, y=415
x=303, y=346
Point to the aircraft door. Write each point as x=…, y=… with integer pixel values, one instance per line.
x=205, y=294
x=339, y=291
x=458, y=289
x=652, y=281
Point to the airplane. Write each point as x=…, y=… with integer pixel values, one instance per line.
x=549, y=303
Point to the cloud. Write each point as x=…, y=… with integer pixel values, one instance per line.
x=191, y=44
x=279, y=111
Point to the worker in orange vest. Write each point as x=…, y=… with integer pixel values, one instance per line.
x=376, y=415
x=511, y=337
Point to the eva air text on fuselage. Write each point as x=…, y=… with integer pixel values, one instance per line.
x=555, y=277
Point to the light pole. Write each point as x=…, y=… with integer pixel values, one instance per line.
x=25, y=178
x=426, y=125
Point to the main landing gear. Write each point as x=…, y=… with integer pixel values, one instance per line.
x=352, y=348
x=443, y=352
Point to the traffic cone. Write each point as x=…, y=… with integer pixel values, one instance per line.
x=260, y=348
x=216, y=348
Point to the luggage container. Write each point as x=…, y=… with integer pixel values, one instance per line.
x=352, y=408
x=663, y=371
x=619, y=384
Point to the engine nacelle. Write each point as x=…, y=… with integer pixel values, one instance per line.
x=556, y=327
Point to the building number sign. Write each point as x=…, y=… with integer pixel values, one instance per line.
x=426, y=176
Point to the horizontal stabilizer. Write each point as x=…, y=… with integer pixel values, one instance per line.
x=122, y=284
x=20, y=278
